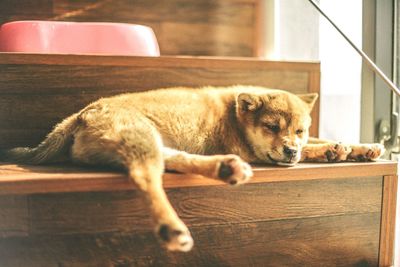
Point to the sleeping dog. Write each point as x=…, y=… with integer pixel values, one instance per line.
x=211, y=131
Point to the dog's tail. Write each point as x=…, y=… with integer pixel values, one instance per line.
x=51, y=149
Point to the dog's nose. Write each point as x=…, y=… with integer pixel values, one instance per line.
x=290, y=152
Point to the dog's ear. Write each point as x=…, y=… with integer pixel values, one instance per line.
x=248, y=102
x=309, y=99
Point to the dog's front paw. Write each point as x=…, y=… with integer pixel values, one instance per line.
x=337, y=152
x=366, y=152
x=233, y=170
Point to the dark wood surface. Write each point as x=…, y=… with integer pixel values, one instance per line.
x=388, y=221
x=14, y=216
x=38, y=91
x=98, y=212
x=182, y=27
x=328, y=241
x=333, y=222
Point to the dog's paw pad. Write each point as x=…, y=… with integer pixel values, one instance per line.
x=233, y=170
x=367, y=152
x=175, y=239
x=337, y=152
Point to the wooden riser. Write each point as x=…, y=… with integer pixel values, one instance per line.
x=48, y=88
x=328, y=241
x=300, y=220
x=268, y=224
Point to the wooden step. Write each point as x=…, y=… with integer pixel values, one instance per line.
x=26, y=179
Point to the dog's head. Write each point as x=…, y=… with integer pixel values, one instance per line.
x=276, y=124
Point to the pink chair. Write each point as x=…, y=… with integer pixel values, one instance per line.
x=55, y=37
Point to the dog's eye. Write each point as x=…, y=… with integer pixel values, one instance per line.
x=273, y=127
x=299, y=131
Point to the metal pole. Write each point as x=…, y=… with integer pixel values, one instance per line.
x=369, y=62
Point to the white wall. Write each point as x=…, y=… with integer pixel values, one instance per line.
x=341, y=71
x=295, y=31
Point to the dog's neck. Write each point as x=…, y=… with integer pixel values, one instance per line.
x=230, y=137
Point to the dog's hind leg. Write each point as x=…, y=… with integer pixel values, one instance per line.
x=132, y=142
x=229, y=168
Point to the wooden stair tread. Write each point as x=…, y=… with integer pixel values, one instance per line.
x=162, y=61
x=26, y=179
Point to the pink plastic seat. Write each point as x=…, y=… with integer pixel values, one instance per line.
x=55, y=37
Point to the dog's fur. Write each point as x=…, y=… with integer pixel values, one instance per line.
x=208, y=131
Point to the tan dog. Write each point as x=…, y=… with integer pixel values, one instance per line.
x=208, y=131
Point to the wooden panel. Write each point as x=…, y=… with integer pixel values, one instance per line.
x=388, y=221
x=25, y=9
x=39, y=91
x=179, y=38
x=86, y=80
x=167, y=18
x=238, y=13
x=164, y=61
x=14, y=216
x=125, y=212
x=350, y=240
x=20, y=179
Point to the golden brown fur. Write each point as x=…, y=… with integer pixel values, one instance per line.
x=209, y=131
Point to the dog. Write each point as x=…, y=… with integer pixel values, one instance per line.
x=211, y=131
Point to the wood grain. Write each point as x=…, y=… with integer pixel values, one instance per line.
x=14, y=216
x=20, y=179
x=125, y=212
x=201, y=11
x=183, y=38
x=388, y=221
x=349, y=240
x=24, y=9
x=88, y=80
x=38, y=91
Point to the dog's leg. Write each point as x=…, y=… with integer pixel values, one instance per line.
x=325, y=152
x=135, y=145
x=147, y=175
x=229, y=168
x=337, y=152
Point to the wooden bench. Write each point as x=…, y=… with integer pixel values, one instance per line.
x=307, y=215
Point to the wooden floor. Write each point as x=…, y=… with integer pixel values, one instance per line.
x=308, y=215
